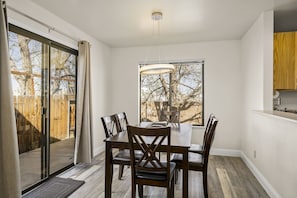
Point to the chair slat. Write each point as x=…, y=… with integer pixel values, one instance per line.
x=150, y=170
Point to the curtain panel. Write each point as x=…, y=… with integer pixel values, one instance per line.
x=83, y=143
x=10, y=184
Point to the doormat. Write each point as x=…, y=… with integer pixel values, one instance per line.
x=55, y=188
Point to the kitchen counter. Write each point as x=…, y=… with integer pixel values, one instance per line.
x=280, y=114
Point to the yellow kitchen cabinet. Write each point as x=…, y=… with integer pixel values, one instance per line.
x=285, y=60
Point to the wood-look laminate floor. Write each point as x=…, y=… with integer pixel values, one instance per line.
x=227, y=177
x=61, y=155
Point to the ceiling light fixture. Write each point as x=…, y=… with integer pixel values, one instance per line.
x=157, y=68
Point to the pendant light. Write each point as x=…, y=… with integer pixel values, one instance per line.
x=157, y=68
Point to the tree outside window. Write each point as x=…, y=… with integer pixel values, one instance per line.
x=180, y=91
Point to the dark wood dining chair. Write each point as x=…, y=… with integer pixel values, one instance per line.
x=197, y=148
x=111, y=127
x=149, y=170
x=122, y=120
x=199, y=161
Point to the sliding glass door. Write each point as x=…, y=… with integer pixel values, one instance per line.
x=44, y=90
x=62, y=105
x=26, y=69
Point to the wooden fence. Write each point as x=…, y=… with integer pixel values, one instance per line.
x=149, y=112
x=29, y=120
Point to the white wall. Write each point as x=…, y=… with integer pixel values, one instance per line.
x=227, y=65
x=223, y=94
x=273, y=138
x=100, y=56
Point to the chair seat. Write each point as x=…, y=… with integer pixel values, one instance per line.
x=195, y=148
x=198, y=155
x=155, y=175
x=195, y=161
x=124, y=156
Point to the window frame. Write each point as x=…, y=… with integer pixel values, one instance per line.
x=200, y=61
x=45, y=169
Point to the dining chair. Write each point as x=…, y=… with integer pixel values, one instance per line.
x=111, y=127
x=197, y=148
x=150, y=170
x=122, y=120
x=199, y=161
x=174, y=117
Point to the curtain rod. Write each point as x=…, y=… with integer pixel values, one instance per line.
x=50, y=28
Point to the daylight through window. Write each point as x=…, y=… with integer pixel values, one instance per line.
x=43, y=76
x=179, y=93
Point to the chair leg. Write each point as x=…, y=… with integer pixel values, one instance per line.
x=133, y=191
x=111, y=173
x=204, y=173
x=121, y=170
x=176, y=175
x=172, y=185
x=169, y=192
x=140, y=190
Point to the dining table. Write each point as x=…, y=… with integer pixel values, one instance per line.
x=180, y=143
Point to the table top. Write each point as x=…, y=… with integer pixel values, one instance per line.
x=180, y=136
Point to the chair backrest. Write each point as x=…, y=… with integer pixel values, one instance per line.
x=110, y=124
x=161, y=108
x=209, y=140
x=174, y=115
x=209, y=122
x=149, y=141
x=122, y=120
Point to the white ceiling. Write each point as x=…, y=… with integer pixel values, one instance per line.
x=121, y=23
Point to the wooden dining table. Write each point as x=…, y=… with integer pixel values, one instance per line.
x=180, y=143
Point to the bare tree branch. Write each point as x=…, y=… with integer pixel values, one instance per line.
x=185, y=89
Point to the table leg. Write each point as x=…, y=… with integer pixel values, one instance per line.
x=108, y=169
x=185, y=175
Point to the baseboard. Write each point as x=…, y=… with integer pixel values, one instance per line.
x=225, y=152
x=233, y=153
x=262, y=180
x=99, y=150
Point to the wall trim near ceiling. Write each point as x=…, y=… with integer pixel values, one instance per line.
x=27, y=24
x=49, y=27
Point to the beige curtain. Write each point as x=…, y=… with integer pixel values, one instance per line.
x=83, y=143
x=10, y=184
